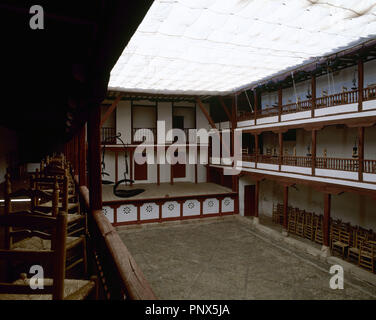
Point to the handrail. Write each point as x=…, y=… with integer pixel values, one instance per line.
x=369, y=166
x=124, y=279
x=336, y=99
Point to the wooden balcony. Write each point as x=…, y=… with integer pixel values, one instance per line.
x=343, y=98
x=341, y=164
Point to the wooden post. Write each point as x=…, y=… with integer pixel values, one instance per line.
x=257, y=192
x=361, y=152
x=285, y=206
x=360, y=84
x=314, y=143
x=279, y=104
x=256, y=148
x=196, y=177
x=256, y=103
x=94, y=161
x=326, y=222
x=82, y=157
x=313, y=94
x=280, y=160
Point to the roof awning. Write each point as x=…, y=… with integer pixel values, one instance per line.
x=210, y=47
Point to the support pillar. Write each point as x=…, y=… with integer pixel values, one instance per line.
x=280, y=159
x=314, y=144
x=279, y=104
x=313, y=94
x=94, y=161
x=256, y=149
x=360, y=84
x=361, y=152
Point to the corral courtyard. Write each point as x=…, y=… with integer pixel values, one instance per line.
x=230, y=259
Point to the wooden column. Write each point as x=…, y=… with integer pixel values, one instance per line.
x=313, y=93
x=94, y=161
x=279, y=104
x=257, y=192
x=82, y=156
x=361, y=152
x=256, y=148
x=280, y=139
x=360, y=84
x=256, y=103
x=196, y=177
x=285, y=206
x=314, y=143
x=326, y=222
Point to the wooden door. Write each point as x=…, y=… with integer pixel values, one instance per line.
x=249, y=200
x=140, y=170
x=179, y=169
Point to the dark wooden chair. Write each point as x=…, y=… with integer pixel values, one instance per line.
x=56, y=287
x=18, y=239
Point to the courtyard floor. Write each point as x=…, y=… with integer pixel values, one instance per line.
x=228, y=259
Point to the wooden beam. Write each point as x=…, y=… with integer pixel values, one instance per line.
x=225, y=108
x=206, y=114
x=111, y=109
x=256, y=103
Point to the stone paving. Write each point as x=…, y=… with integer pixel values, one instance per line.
x=227, y=259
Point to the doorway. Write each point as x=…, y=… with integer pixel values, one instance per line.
x=249, y=200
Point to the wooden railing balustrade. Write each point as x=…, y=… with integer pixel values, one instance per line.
x=336, y=99
x=119, y=274
x=369, y=166
x=337, y=164
x=299, y=161
x=321, y=162
x=108, y=135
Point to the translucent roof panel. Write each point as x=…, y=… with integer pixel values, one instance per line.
x=219, y=46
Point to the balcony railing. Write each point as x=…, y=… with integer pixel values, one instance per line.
x=108, y=135
x=343, y=164
x=369, y=166
x=144, y=134
x=342, y=98
x=298, y=161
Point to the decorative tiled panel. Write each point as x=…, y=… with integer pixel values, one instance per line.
x=109, y=213
x=171, y=209
x=149, y=211
x=211, y=206
x=191, y=208
x=228, y=205
x=127, y=213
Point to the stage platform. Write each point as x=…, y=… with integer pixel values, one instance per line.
x=165, y=190
x=182, y=200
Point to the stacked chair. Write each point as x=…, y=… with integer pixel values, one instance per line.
x=354, y=243
x=50, y=233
